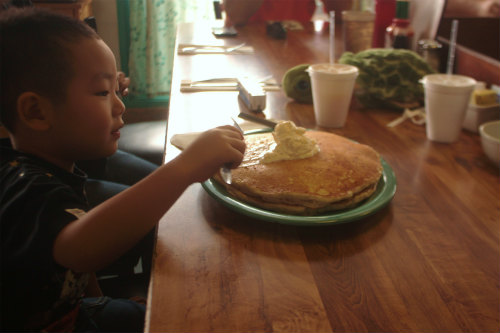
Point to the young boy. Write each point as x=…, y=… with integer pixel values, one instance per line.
x=59, y=104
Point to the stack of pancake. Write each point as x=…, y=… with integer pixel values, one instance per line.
x=340, y=176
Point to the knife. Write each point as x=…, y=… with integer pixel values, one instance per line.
x=237, y=125
x=259, y=120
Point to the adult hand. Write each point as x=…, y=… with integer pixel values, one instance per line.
x=123, y=83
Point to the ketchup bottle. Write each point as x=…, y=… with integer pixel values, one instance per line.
x=384, y=13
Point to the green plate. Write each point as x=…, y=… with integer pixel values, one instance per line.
x=386, y=188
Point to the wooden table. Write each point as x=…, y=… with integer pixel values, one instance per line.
x=427, y=262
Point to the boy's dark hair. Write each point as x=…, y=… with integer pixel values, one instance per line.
x=35, y=56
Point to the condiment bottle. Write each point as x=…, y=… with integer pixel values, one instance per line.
x=399, y=34
x=430, y=50
x=384, y=14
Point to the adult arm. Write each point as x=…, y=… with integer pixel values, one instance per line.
x=477, y=8
x=238, y=12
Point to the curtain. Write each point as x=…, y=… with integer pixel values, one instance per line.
x=152, y=41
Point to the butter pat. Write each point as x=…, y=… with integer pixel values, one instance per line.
x=484, y=97
x=291, y=144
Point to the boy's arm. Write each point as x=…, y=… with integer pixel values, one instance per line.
x=110, y=229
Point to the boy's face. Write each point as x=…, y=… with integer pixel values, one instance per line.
x=87, y=123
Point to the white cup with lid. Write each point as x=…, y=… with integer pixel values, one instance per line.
x=332, y=86
x=447, y=97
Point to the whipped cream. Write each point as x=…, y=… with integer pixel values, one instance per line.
x=291, y=144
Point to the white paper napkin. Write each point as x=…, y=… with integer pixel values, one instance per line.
x=416, y=116
x=182, y=141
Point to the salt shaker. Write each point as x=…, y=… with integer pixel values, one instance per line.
x=430, y=50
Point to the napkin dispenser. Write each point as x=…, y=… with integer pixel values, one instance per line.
x=252, y=94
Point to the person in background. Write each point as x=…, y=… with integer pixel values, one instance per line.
x=240, y=12
x=60, y=103
x=474, y=8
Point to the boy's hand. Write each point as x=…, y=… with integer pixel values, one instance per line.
x=213, y=149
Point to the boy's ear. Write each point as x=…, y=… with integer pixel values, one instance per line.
x=33, y=111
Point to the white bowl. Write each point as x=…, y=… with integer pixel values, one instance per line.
x=490, y=140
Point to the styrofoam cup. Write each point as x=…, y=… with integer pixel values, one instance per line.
x=447, y=97
x=332, y=86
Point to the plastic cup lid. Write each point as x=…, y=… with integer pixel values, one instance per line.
x=338, y=69
x=448, y=82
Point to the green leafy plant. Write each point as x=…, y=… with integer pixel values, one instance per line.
x=388, y=78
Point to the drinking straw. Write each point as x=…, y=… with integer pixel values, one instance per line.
x=332, y=37
x=453, y=45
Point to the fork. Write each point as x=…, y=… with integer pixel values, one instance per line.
x=234, y=48
x=225, y=171
x=212, y=47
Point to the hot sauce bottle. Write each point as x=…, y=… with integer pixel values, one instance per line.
x=399, y=34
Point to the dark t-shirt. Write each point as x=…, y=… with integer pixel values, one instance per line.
x=37, y=200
